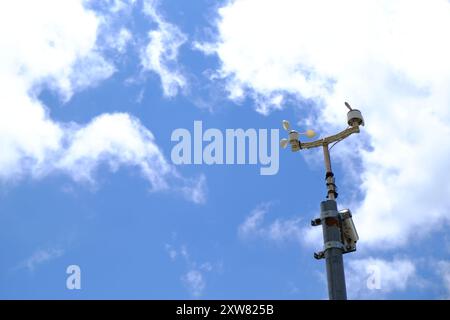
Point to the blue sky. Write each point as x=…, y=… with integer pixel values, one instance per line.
x=94, y=90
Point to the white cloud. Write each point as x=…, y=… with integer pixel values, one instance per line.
x=120, y=40
x=253, y=221
x=195, y=282
x=373, y=278
x=194, y=277
x=86, y=72
x=41, y=256
x=172, y=252
x=25, y=141
x=279, y=230
x=390, y=58
x=117, y=139
x=195, y=189
x=53, y=44
x=119, y=5
x=161, y=53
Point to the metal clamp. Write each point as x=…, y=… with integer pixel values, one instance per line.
x=333, y=244
x=329, y=214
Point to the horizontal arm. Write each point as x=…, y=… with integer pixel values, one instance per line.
x=325, y=141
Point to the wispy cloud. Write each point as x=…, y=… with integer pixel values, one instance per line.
x=41, y=256
x=195, y=189
x=195, y=282
x=120, y=40
x=173, y=254
x=194, y=278
x=161, y=53
x=278, y=230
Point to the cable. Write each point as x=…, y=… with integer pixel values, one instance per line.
x=335, y=143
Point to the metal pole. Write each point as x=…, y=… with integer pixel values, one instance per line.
x=329, y=176
x=331, y=227
x=326, y=156
x=333, y=250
